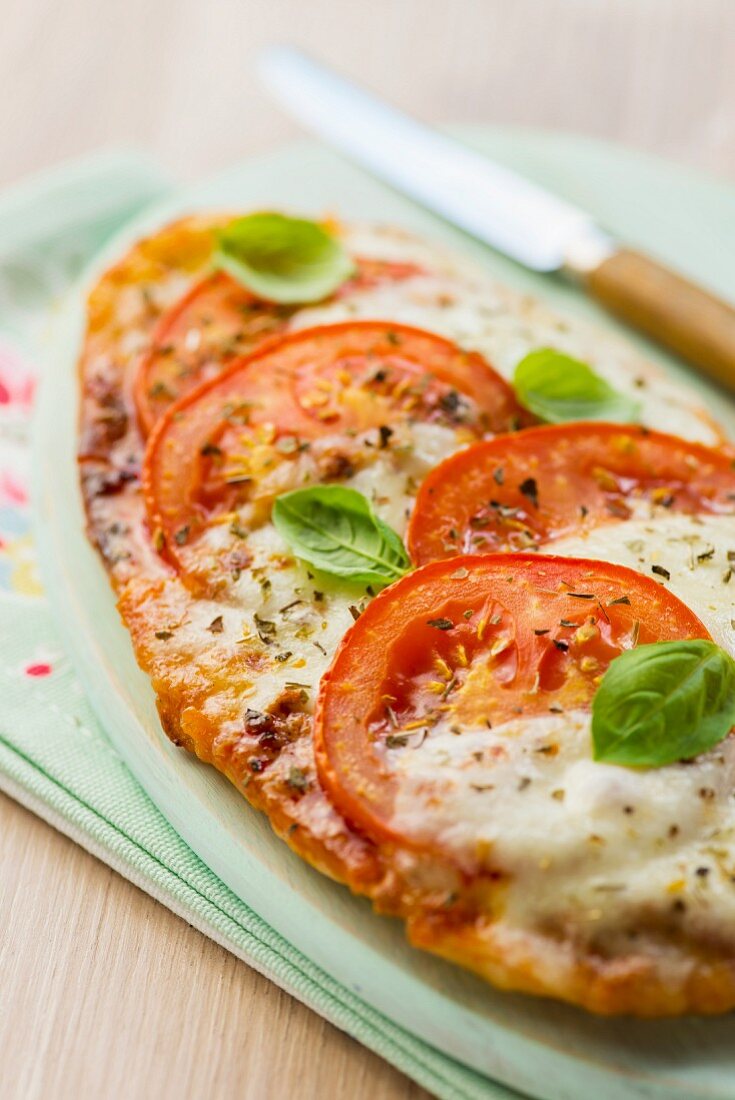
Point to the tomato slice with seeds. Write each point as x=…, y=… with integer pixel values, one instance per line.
x=525, y=490
x=343, y=374
x=222, y=453
x=218, y=320
x=468, y=644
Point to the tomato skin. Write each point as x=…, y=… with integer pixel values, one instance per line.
x=513, y=493
x=350, y=354
x=175, y=463
x=541, y=632
x=374, y=272
x=226, y=321
x=376, y=374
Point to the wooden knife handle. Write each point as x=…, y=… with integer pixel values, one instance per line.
x=692, y=322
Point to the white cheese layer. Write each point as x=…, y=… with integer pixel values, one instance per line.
x=590, y=847
x=288, y=612
x=460, y=302
x=693, y=550
x=584, y=846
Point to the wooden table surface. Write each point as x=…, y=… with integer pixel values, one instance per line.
x=103, y=992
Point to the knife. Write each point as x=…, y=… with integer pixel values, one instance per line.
x=501, y=208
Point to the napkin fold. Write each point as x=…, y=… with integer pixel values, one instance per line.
x=55, y=758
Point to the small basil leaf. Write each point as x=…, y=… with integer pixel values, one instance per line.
x=557, y=388
x=335, y=530
x=663, y=702
x=281, y=259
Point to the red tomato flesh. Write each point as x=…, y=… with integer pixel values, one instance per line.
x=216, y=321
x=522, y=491
x=471, y=643
x=227, y=442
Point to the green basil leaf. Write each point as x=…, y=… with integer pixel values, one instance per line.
x=663, y=702
x=336, y=530
x=281, y=259
x=557, y=388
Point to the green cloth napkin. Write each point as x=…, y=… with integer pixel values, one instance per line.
x=54, y=756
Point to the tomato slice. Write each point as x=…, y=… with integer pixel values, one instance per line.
x=372, y=272
x=216, y=321
x=522, y=491
x=344, y=374
x=470, y=643
x=224, y=451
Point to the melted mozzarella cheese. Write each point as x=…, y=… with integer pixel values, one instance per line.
x=294, y=615
x=461, y=303
x=584, y=845
x=693, y=550
x=589, y=847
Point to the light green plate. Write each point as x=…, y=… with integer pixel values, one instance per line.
x=543, y=1049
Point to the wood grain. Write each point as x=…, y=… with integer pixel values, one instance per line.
x=686, y=318
x=176, y=75
x=103, y=992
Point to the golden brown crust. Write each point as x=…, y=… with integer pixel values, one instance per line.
x=128, y=300
x=269, y=756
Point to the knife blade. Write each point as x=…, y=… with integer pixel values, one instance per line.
x=487, y=200
x=505, y=210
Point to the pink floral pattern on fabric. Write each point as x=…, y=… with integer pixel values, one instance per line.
x=17, y=381
x=12, y=490
x=18, y=571
x=39, y=668
x=38, y=662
